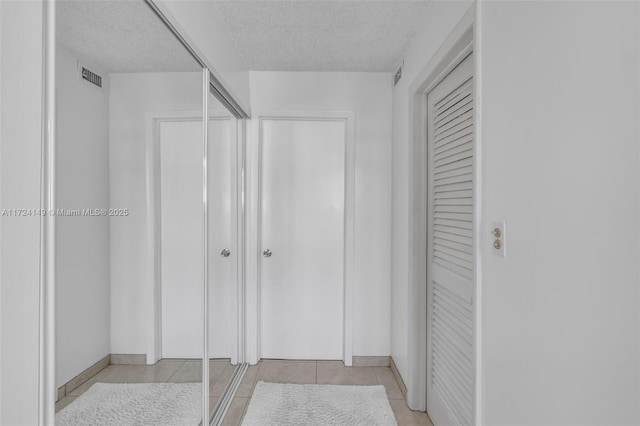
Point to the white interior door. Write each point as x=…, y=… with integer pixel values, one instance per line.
x=222, y=234
x=302, y=222
x=451, y=264
x=182, y=238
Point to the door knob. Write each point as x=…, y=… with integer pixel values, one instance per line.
x=225, y=253
x=266, y=253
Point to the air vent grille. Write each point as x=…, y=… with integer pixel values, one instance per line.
x=90, y=76
x=397, y=76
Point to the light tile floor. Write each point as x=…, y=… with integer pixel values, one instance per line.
x=164, y=371
x=300, y=372
x=322, y=372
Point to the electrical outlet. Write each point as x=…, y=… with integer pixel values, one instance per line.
x=499, y=239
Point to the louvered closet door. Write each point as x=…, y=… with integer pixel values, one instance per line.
x=451, y=366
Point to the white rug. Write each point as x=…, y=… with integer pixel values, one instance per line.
x=166, y=404
x=285, y=404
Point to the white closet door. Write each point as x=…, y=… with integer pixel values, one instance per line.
x=303, y=205
x=451, y=265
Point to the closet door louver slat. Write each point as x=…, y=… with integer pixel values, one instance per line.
x=446, y=155
x=452, y=354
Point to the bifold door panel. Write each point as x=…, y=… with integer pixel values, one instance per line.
x=451, y=265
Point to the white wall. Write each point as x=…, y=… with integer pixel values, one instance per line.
x=560, y=164
x=439, y=19
x=82, y=243
x=131, y=97
x=20, y=159
x=560, y=160
x=1, y=82
x=200, y=24
x=369, y=96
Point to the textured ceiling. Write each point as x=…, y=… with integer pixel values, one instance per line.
x=319, y=35
x=282, y=35
x=120, y=36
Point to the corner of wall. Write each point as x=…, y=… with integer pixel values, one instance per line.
x=438, y=21
x=21, y=80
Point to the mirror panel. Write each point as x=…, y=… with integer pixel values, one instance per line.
x=223, y=247
x=130, y=243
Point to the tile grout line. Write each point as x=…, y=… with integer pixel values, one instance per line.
x=377, y=379
x=253, y=387
x=244, y=410
x=255, y=382
x=214, y=379
x=174, y=373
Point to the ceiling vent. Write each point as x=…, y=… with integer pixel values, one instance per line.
x=397, y=76
x=90, y=76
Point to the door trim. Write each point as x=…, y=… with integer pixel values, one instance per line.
x=47, y=390
x=254, y=228
x=152, y=194
x=456, y=47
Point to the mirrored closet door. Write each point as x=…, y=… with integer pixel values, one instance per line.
x=147, y=245
x=224, y=249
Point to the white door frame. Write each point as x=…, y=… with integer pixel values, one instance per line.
x=460, y=42
x=152, y=192
x=254, y=230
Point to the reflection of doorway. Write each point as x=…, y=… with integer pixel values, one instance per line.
x=181, y=238
x=304, y=234
x=178, y=237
